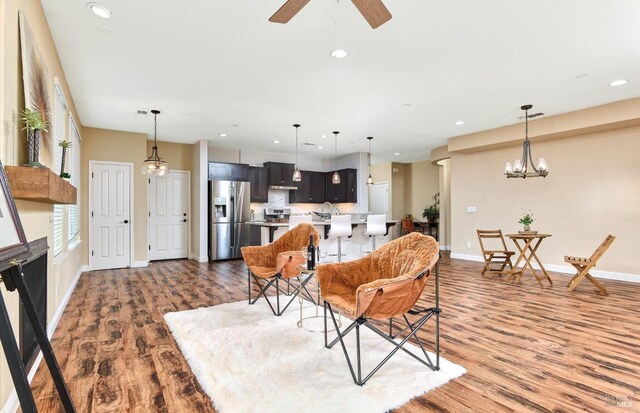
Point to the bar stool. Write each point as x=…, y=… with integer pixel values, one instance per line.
x=340, y=228
x=294, y=220
x=376, y=225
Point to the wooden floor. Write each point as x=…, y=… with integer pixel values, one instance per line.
x=525, y=349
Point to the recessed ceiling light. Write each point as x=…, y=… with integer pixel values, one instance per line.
x=459, y=123
x=223, y=135
x=320, y=147
x=339, y=53
x=276, y=141
x=397, y=153
x=618, y=82
x=323, y=136
x=99, y=10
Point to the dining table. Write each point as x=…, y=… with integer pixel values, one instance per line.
x=527, y=244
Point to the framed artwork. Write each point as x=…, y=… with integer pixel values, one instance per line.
x=12, y=238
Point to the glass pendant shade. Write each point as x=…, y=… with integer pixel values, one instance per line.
x=370, y=178
x=335, y=179
x=154, y=164
x=297, y=176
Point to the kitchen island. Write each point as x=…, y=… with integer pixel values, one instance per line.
x=354, y=247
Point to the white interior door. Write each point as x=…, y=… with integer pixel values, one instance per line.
x=379, y=203
x=110, y=215
x=169, y=216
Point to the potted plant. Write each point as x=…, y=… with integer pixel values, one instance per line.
x=526, y=220
x=34, y=124
x=64, y=144
x=431, y=213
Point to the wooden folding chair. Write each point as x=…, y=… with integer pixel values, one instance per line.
x=584, y=265
x=500, y=257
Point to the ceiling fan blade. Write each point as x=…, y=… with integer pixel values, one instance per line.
x=288, y=10
x=374, y=11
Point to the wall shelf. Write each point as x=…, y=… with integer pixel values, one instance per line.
x=40, y=185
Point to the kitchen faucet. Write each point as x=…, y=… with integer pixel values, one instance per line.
x=330, y=207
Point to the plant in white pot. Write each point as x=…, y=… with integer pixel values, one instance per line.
x=526, y=220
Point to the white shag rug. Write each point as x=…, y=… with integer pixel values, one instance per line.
x=248, y=360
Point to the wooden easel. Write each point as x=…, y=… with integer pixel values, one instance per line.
x=12, y=276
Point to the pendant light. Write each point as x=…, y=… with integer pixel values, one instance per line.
x=297, y=176
x=335, y=179
x=154, y=165
x=519, y=167
x=370, y=178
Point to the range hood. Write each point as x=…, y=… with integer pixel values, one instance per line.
x=284, y=188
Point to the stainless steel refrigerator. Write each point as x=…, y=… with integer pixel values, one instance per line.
x=229, y=214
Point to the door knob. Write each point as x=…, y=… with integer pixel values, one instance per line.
x=126, y=221
x=184, y=220
x=185, y=214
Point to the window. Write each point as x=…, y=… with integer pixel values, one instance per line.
x=74, y=170
x=59, y=117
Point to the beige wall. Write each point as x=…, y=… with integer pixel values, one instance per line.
x=398, y=190
x=592, y=190
x=178, y=155
x=422, y=184
x=117, y=146
x=36, y=217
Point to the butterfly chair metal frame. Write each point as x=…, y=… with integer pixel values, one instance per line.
x=301, y=288
x=426, y=315
x=584, y=265
x=279, y=262
x=502, y=257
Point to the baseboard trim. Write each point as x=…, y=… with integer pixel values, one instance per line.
x=12, y=404
x=563, y=269
x=445, y=248
x=199, y=259
x=139, y=264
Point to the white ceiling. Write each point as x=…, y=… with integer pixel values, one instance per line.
x=209, y=65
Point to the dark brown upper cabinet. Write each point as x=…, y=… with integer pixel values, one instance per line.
x=259, y=180
x=280, y=174
x=346, y=190
x=312, y=188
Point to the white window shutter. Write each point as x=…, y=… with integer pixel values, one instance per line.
x=74, y=171
x=59, y=117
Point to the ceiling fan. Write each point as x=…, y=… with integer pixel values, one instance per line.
x=374, y=11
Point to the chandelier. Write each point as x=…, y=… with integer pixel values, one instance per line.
x=519, y=169
x=154, y=165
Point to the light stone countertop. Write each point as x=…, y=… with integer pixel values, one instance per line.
x=315, y=223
